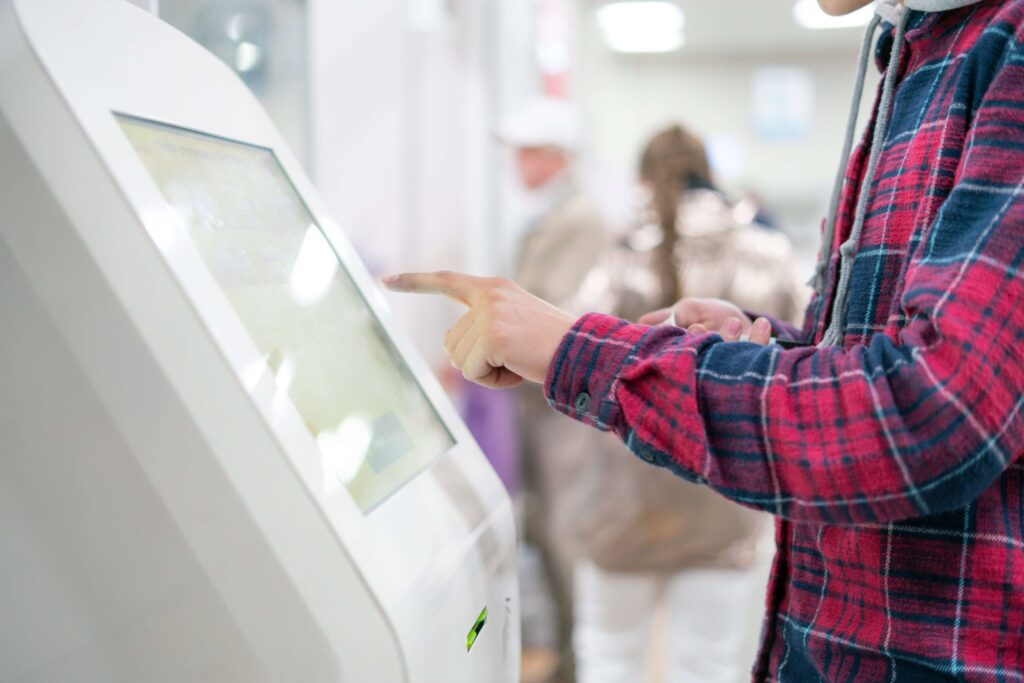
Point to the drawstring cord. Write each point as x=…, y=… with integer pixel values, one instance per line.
x=818, y=282
x=848, y=250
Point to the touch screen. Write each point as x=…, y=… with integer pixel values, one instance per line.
x=374, y=426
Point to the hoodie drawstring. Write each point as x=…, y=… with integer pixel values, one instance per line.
x=848, y=250
x=821, y=271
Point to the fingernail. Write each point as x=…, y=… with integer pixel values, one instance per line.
x=762, y=326
x=731, y=327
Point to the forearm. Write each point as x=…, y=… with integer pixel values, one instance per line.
x=857, y=436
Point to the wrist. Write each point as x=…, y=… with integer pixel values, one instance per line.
x=554, y=342
x=592, y=354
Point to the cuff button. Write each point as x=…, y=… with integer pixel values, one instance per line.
x=582, y=402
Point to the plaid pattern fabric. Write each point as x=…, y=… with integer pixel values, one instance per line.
x=893, y=464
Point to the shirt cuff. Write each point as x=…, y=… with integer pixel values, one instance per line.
x=780, y=328
x=584, y=372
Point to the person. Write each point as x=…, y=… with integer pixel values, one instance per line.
x=650, y=544
x=567, y=232
x=564, y=240
x=890, y=449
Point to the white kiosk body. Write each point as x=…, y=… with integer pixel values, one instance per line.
x=217, y=459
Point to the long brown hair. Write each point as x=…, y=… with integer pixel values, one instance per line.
x=672, y=162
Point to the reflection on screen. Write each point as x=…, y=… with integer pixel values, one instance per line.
x=372, y=422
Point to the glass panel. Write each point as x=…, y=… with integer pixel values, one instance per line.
x=375, y=427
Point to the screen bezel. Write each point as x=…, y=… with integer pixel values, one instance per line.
x=428, y=462
x=405, y=532
x=241, y=353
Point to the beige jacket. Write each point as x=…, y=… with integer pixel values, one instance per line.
x=555, y=256
x=634, y=517
x=564, y=245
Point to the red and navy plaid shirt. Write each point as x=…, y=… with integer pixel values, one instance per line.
x=893, y=463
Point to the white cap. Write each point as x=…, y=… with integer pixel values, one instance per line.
x=543, y=122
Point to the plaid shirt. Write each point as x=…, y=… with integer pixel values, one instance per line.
x=893, y=463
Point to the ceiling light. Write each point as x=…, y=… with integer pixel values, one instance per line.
x=642, y=26
x=247, y=56
x=809, y=14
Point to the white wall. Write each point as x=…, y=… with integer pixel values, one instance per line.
x=400, y=110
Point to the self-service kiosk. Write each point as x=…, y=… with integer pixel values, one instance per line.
x=218, y=461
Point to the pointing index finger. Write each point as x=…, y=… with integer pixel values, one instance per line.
x=462, y=288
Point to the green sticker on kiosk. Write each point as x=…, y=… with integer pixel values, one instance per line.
x=475, y=631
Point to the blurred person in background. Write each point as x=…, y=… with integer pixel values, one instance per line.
x=566, y=236
x=750, y=208
x=567, y=230
x=647, y=539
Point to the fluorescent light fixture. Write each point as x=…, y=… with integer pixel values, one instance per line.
x=247, y=56
x=809, y=15
x=642, y=25
x=235, y=27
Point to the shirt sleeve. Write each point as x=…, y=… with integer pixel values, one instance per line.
x=896, y=428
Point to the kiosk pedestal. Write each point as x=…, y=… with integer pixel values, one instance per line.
x=217, y=459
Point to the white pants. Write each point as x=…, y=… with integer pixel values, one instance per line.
x=708, y=639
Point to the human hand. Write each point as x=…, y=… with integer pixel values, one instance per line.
x=506, y=336
x=699, y=316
